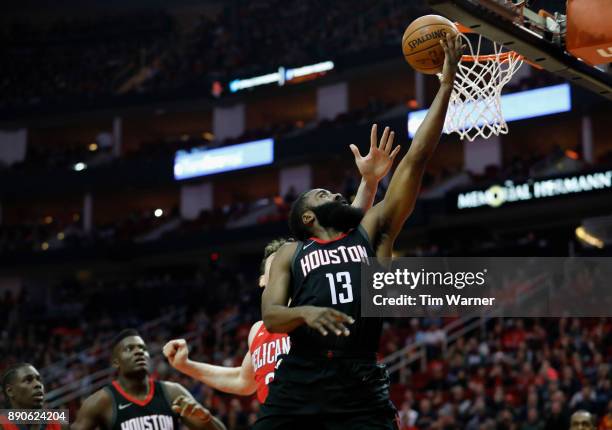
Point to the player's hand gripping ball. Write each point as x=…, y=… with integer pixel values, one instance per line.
x=421, y=43
x=453, y=50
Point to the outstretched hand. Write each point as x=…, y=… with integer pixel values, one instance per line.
x=453, y=50
x=377, y=163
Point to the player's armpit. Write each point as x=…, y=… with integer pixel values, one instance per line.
x=401, y=196
x=373, y=223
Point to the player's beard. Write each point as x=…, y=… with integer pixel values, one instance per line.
x=338, y=215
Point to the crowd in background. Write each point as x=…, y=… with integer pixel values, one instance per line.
x=44, y=321
x=153, y=52
x=524, y=374
x=149, y=52
x=78, y=59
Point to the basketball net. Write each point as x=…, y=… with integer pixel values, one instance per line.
x=475, y=107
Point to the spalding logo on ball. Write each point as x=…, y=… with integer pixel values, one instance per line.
x=421, y=43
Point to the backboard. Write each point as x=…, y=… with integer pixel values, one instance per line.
x=541, y=37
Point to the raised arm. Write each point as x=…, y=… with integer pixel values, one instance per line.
x=234, y=380
x=373, y=167
x=279, y=318
x=388, y=217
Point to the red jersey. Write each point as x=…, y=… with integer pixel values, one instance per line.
x=265, y=348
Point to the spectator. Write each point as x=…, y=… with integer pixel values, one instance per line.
x=558, y=418
x=533, y=421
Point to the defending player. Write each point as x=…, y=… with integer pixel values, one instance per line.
x=330, y=379
x=136, y=402
x=24, y=389
x=257, y=369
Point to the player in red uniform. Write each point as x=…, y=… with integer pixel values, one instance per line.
x=257, y=369
x=23, y=389
x=258, y=365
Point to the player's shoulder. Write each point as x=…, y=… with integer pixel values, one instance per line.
x=173, y=389
x=289, y=247
x=287, y=251
x=99, y=401
x=254, y=330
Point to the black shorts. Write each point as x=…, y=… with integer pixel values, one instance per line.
x=331, y=393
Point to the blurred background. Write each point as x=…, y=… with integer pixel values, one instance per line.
x=107, y=220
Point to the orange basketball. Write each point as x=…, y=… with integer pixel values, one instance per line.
x=421, y=43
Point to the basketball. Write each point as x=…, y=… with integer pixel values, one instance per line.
x=182, y=229
x=421, y=43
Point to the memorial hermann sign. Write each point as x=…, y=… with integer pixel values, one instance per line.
x=509, y=192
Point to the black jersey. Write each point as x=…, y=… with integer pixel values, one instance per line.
x=328, y=274
x=152, y=413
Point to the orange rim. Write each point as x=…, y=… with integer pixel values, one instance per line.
x=462, y=28
x=492, y=57
x=502, y=58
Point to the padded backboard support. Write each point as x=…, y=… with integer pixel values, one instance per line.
x=497, y=23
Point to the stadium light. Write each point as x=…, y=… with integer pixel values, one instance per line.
x=588, y=238
x=204, y=162
x=281, y=76
x=517, y=106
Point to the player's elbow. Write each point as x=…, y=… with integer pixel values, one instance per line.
x=246, y=388
x=270, y=320
x=418, y=158
x=270, y=324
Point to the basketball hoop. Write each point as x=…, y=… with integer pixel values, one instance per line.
x=475, y=108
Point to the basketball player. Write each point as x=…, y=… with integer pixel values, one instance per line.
x=330, y=379
x=23, y=389
x=582, y=420
x=257, y=368
x=134, y=401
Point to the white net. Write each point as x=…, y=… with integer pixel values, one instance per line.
x=475, y=105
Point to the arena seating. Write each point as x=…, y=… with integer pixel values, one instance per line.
x=523, y=372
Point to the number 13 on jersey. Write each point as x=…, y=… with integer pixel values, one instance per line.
x=344, y=280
